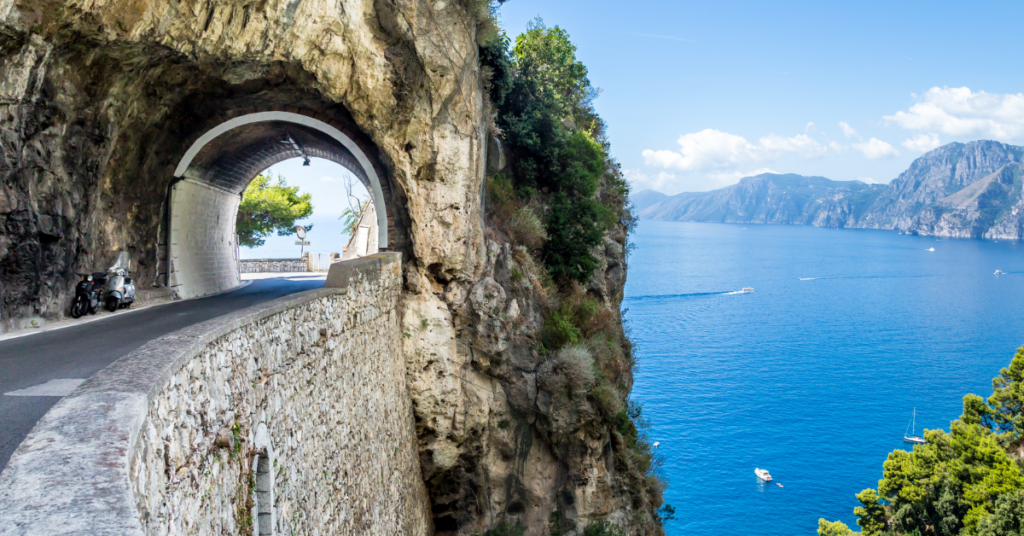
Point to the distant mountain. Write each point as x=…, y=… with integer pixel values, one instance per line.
x=771, y=198
x=958, y=190
x=646, y=198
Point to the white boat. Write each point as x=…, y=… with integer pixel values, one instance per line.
x=913, y=437
x=763, y=474
x=999, y=272
x=931, y=249
x=747, y=290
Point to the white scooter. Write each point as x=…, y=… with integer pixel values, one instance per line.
x=120, y=290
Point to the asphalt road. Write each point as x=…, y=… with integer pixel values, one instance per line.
x=80, y=351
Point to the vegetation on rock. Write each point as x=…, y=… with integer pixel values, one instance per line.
x=965, y=482
x=268, y=206
x=560, y=155
x=561, y=204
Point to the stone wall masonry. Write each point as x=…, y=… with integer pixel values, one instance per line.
x=309, y=262
x=262, y=266
x=165, y=440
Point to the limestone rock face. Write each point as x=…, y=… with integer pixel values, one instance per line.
x=100, y=100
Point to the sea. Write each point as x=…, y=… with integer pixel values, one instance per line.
x=326, y=235
x=816, y=374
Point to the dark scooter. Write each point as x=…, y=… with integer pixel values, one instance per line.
x=88, y=294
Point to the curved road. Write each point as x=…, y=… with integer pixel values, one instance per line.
x=32, y=363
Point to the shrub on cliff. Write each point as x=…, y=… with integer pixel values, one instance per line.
x=571, y=368
x=544, y=105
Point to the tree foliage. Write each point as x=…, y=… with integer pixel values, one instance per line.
x=964, y=482
x=268, y=206
x=833, y=528
x=545, y=112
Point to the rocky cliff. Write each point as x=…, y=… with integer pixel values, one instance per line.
x=99, y=100
x=970, y=190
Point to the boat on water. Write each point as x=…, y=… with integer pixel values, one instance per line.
x=763, y=474
x=747, y=290
x=999, y=272
x=913, y=437
x=931, y=249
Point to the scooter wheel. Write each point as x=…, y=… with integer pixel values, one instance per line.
x=78, y=308
x=112, y=305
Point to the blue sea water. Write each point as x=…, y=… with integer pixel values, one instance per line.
x=327, y=235
x=813, y=379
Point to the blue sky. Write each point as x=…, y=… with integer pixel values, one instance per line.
x=698, y=94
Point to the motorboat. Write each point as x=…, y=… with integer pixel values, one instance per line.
x=747, y=290
x=999, y=272
x=931, y=249
x=763, y=474
x=913, y=437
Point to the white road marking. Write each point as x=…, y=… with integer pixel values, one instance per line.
x=60, y=387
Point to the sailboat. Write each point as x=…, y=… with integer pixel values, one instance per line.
x=913, y=437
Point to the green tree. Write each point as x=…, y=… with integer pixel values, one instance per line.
x=833, y=528
x=548, y=56
x=963, y=482
x=1008, y=517
x=268, y=206
x=1007, y=400
x=551, y=128
x=870, y=514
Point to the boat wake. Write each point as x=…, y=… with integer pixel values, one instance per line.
x=807, y=278
x=675, y=296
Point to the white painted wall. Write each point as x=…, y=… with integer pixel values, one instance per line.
x=203, y=241
x=363, y=241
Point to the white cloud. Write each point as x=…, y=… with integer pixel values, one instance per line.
x=922, y=143
x=714, y=149
x=810, y=125
x=848, y=131
x=662, y=182
x=874, y=148
x=961, y=112
x=838, y=147
x=868, y=180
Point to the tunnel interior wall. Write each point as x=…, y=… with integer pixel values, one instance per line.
x=203, y=243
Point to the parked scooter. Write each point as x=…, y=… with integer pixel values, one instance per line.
x=88, y=294
x=120, y=291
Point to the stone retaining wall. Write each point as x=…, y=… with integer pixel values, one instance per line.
x=169, y=439
x=259, y=266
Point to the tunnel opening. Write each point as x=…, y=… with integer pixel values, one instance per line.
x=330, y=204
x=202, y=250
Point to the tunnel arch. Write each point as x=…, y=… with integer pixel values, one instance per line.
x=210, y=176
x=368, y=175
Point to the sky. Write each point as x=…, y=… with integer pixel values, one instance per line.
x=699, y=94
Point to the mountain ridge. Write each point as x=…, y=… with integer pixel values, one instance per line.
x=963, y=190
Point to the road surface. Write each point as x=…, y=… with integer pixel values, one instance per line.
x=37, y=370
